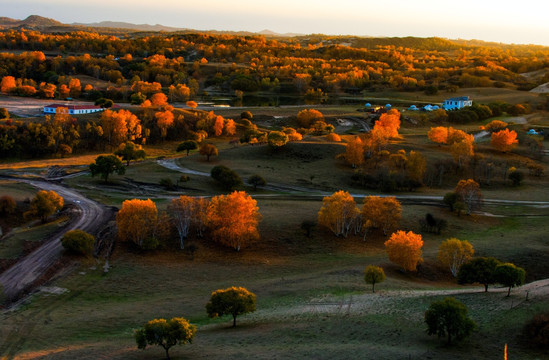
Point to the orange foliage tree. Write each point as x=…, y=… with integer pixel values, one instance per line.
x=120, y=126
x=504, y=140
x=192, y=104
x=64, y=91
x=159, y=99
x=134, y=221
x=8, y=84
x=438, y=135
x=338, y=213
x=47, y=90
x=74, y=87
x=468, y=191
x=208, y=150
x=404, y=249
x=381, y=212
x=233, y=219
x=229, y=127
x=495, y=125
x=218, y=125
x=354, y=152
x=333, y=137
x=307, y=117
x=164, y=120
x=388, y=124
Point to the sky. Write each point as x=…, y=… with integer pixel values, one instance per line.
x=506, y=21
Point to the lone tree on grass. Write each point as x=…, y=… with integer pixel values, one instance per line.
x=256, y=180
x=165, y=333
x=106, y=165
x=44, y=204
x=448, y=317
x=79, y=242
x=232, y=301
x=373, y=275
x=208, y=150
x=509, y=275
x=404, y=249
x=226, y=177
x=187, y=146
x=130, y=151
x=479, y=270
x=453, y=253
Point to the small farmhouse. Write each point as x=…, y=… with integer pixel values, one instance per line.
x=73, y=109
x=457, y=103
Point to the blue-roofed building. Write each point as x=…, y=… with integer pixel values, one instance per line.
x=413, y=108
x=457, y=103
x=367, y=105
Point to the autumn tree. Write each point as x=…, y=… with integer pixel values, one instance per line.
x=338, y=212
x=495, y=125
x=373, y=275
x=74, y=87
x=164, y=120
x=504, y=140
x=381, y=212
x=44, y=204
x=462, y=152
x=233, y=219
x=79, y=242
x=192, y=104
x=468, y=192
x=119, y=126
x=165, y=333
x=404, y=249
x=509, y=275
x=158, y=99
x=388, y=124
x=307, y=117
x=333, y=137
x=448, y=317
x=438, y=135
x=277, y=139
x=479, y=270
x=354, y=152
x=181, y=212
x=200, y=215
x=8, y=84
x=232, y=301
x=187, y=146
x=7, y=205
x=130, y=151
x=453, y=253
x=208, y=150
x=135, y=222
x=106, y=165
x=416, y=164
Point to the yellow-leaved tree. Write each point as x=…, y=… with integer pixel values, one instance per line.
x=233, y=219
x=453, y=253
x=404, y=249
x=338, y=213
x=381, y=212
x=136, y=221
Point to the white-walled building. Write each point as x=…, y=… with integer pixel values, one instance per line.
x=73, y=109
x=457, y=103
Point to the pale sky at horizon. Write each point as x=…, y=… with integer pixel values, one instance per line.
x=507, y=21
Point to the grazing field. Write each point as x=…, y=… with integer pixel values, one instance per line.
x=309, y=290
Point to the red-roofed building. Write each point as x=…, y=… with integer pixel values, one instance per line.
x=73, y=109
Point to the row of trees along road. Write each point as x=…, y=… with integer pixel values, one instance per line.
x=230, y=219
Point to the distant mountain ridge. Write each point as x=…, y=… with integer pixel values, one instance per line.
x=126, y=25
x=30, y=21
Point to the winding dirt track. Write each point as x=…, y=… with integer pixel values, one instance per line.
x=25, y=272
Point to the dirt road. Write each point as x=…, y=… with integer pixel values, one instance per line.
x=89, y=218
x=306, y=192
